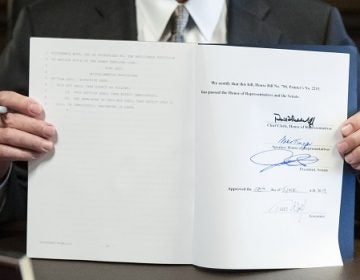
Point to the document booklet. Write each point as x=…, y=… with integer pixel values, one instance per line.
x=217, y=156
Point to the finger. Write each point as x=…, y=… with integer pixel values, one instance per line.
x=353, y=157
x=22, y=104
x=9, y=153
x=356, y=166
x=351, y=125
x=20, y=139
x=349, y=143
x=28, y=124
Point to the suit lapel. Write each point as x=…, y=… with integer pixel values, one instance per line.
x=247, y=23
x=116, y=19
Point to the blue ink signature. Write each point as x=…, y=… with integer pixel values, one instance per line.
x=295, y=141
x=279, y=157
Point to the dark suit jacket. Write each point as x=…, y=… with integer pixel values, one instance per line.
x=250, y=22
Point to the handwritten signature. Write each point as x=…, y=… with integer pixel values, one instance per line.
x=295, y=208
x=309, y=120
x=288, y=206
x=280, y=157
x=295, y=141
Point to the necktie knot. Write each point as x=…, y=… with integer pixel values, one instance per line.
x=180, y=19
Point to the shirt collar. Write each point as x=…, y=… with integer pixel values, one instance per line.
x=157, y=14
x=206, y=15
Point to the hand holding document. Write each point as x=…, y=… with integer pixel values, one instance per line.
x=188, y=154
x=25, y=135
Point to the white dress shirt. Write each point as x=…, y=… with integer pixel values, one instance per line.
x=207, y=23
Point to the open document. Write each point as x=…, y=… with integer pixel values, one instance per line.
x=218, y=156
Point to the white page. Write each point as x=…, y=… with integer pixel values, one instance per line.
x=120, y=184
x=268, y=187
